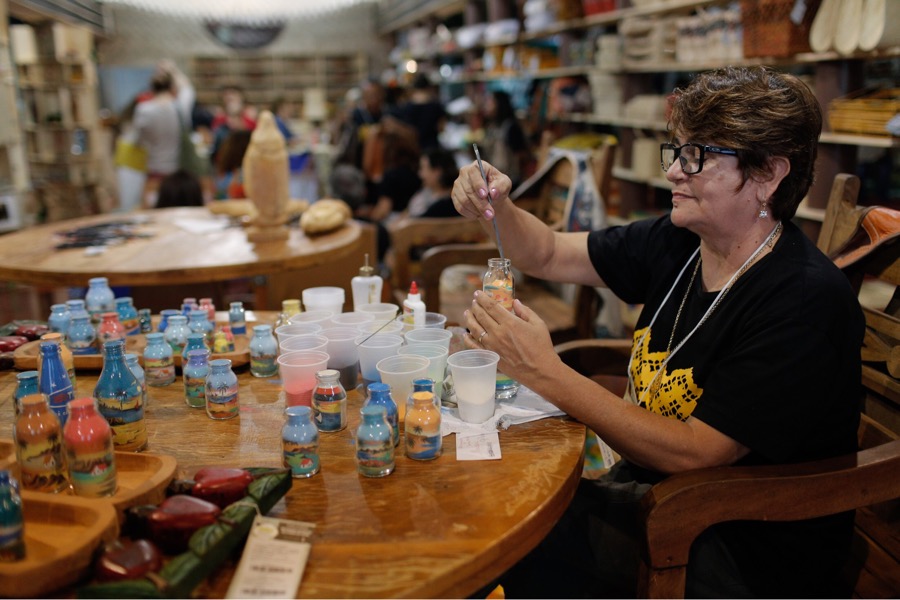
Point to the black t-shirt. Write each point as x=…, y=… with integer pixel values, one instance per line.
x=776, y=367
x=426, y=118
x=442, y=207
x=399, y=184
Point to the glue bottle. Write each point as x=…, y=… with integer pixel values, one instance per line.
x=366, y=286
x=413, y=308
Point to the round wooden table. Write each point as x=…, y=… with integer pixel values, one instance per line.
x=444, y=528
x=438, y=529
x=184, y=245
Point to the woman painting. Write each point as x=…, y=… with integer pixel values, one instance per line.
x=746, y=351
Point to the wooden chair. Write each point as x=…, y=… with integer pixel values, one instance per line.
x=549, y=201
x=868, y=480
x=416, y=233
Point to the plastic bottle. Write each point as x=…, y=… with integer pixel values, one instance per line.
x=366, y=286
x=413, y=308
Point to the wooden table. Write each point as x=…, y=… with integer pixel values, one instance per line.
x=443, y=528
x=172, y=255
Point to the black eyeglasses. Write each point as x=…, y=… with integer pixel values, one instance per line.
x=689, y=155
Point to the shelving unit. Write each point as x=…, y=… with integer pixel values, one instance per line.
x=265, y=78
x=58, y=88
x=14, y=178
x=833, y=75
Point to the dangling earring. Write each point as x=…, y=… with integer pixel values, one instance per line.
x=763, y=210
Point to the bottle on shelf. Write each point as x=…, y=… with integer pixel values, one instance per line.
x=145, y=320
x=366, y=286
x=110, y=328
x=176, y=333
x=64, y=352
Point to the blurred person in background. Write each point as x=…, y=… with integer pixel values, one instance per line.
x=505, y=144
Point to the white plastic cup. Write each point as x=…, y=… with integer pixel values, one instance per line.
x=435, y=320
x=398, y=371
x=373, y=349
x=341, y=348
x=437, y=356
x=298, y=375
x=383, y=311
x=285, y=331
x=429, y=335
x=294, y=343
x=324, y=298
x=351, y=319
x=380, y=327
x=474, y=380
x=313, y=316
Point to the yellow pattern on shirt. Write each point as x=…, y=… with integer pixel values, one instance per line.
x=675, y=393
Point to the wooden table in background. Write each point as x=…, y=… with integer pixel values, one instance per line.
x=443, y=528
x=172, y=256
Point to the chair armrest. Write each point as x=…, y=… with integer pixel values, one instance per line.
x=771, y=493
x=596, y=356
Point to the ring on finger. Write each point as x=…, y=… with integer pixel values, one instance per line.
x=481, y=337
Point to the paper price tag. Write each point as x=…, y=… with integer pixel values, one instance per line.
x=273, y=560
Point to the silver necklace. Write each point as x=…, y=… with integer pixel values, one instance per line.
x=768, y=242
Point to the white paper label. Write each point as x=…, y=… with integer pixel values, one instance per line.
x=273, y=560
x=477, y=445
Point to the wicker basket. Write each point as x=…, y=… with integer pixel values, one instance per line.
x=866, y=111
x=769, y=30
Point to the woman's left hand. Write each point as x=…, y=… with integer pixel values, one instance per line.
x=521, y=339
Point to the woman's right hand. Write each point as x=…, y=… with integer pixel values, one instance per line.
x=470, y=193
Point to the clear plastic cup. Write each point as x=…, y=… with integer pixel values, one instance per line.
x=437, y=356
x=433, y=320
x=373, y=349
x=323, y=298
x=298, y=375
x=383, y=311
x=429, y=335
x=398, y=371
x=341, y=348
x=313, y=316
x=303, y=342
x=351, y=319
x=474, y=381
x=380, y=327
x=285, y=331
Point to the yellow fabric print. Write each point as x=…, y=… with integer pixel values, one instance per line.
x=674, y=394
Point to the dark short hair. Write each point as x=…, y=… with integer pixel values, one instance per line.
x=442, y=159
x=179, y=189
x=762, y=114
x=161, y=82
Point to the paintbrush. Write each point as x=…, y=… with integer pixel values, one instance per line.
x=494, y=220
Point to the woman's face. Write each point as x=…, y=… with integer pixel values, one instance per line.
x=712, y=202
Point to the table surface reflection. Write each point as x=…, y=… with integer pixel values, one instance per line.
x=443, y=528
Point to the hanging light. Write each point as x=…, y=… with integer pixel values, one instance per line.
x=244, y=11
